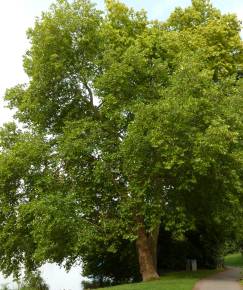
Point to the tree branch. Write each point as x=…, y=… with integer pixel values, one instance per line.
x=91, y=97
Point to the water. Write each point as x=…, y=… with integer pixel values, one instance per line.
x=56, y=278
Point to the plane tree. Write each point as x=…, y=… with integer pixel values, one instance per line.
x=125, y=122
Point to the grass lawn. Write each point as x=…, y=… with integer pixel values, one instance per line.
x=173, y=281
x=234, y=260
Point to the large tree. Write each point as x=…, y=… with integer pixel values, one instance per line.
x=124, y=122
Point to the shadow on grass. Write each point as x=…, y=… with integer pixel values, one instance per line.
x=169, y=281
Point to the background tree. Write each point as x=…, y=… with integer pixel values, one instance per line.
x=33, y=281
x=123, y=118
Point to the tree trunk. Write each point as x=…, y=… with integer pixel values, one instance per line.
x=153, y=244
x=146, y=255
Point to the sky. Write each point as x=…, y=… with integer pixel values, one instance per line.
x=17, y=15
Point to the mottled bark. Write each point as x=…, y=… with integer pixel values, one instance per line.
x=146, y=254
x=153, y=244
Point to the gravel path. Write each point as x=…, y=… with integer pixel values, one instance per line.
x=227, y=280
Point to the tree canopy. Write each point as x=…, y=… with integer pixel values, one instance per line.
x=126, y=122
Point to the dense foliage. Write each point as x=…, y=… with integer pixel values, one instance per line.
x=126, y=123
